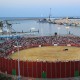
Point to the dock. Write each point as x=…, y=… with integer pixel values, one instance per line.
x=66, y=21
x=62, y=21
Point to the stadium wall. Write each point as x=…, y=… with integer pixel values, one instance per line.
x=41, y=69
x=37, y=69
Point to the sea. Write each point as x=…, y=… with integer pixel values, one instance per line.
x=32, y=26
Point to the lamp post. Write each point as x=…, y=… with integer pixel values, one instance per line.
x=18, y=60
x=58, y=30
x=67, y=28
x=7, y=33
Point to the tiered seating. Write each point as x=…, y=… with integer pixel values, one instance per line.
x=7, y=47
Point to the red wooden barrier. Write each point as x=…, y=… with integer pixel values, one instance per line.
x=5, y=64
x=72, y=69
x=35, y=45
x=49, y=68
x=0, y=64
x=53, y=70
x=9, y=66
x=63, y=71
x=13, y=64
x=79, y=66
x=35, y=69
x=46, y=44
x=30, y=71
x=58, y=69
x=76, y=63
x=16, y=66
x=3, y=60
x=44, y=67
x=39, y=69
x=68, y=71
x=62, y=45
x=25, y=69
x=22, y=68
x=7, y=69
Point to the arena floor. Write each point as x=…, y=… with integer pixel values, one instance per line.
x=49, y=53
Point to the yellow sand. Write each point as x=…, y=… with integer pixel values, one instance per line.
x=50, y=53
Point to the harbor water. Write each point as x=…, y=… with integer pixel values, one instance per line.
x=42, y=29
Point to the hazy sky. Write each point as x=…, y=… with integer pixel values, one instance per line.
x=37, y=8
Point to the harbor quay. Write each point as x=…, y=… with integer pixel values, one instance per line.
x=64, y=21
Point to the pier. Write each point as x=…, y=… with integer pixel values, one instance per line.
x=66, y=21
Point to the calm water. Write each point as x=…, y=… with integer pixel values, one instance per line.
x=44, y=28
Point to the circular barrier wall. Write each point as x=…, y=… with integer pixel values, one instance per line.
x=40, y=69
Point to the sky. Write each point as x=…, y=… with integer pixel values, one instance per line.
x=39, y=8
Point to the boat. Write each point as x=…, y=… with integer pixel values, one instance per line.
x=45, y=20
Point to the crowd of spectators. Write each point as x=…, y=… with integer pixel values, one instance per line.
x=8, y=46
